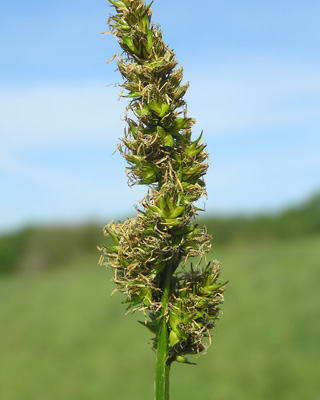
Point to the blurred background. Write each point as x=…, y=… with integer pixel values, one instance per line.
x=254, y=71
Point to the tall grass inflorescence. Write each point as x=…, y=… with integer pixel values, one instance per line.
x=151, y=252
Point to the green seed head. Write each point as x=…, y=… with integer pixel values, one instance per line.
x=161, y=154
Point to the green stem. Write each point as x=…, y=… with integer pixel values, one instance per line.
x=162, y=365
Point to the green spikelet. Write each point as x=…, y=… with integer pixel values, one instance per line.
x=161, y=154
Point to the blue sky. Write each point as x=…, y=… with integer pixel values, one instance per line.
x=254, y=70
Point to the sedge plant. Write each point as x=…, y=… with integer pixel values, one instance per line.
x=151, y=253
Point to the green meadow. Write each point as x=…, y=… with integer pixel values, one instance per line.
x=62, y=336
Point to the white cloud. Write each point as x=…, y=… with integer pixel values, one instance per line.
x=43, y=115
x=255, y=94
x=37, y=192
x=225, y=100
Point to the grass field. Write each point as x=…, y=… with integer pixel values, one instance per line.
x=63, y=337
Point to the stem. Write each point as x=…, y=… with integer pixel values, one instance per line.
x=162, y=366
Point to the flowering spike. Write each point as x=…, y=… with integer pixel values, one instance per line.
x=161, y=154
